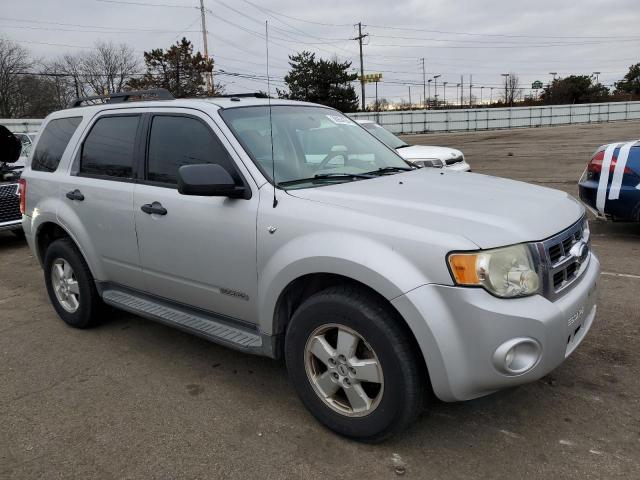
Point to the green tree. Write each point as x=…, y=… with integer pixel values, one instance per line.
x=631, y=81
x=327, y=82
x=178, y=70
x=574, y=89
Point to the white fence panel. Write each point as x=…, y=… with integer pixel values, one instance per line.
x=423, y=121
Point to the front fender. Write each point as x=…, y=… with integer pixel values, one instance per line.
x=357, y=257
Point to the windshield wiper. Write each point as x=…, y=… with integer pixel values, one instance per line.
x=327, y=176
x=383, y=170
x=402, y=146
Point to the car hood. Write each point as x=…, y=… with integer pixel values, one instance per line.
x=420, y=152
x=488, y=211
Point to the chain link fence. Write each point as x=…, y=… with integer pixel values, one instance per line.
x=475, y=119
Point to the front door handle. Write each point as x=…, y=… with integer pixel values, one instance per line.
x=154, y=208
x=75, y=195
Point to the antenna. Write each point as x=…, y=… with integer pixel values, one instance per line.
x=273, y=158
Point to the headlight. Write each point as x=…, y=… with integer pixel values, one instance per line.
x=429, y=162
x=505, y=272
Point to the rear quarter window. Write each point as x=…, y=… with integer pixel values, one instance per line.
x=53, y=142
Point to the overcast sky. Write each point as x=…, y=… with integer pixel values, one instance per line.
x=463, y=37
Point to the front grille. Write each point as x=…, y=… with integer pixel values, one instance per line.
x=9, y=204
x=562, y=266
x=451, y=161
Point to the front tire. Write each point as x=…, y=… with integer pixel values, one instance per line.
x=354, y=364
x=71, y=286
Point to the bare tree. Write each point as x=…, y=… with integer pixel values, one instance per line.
x=14, y=60
x=109, y=67
x=512, y=90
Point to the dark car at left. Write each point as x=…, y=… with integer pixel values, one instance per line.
x=10, y=184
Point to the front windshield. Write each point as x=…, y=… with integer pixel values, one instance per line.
x=311, y=145
x=384, y=135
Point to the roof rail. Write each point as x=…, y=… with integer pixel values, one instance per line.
x=244, y=95
x=157, y=93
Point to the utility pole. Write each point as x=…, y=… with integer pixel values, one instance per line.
x=481, y=95
x=597, y=74
x=470, y=94
x=461, y=90
x=491, y=96
x=410, y=97
x=424, y=83
x=377, y=105
x=359, y=38
x=209, y=75
x=429, y=91
x=458, y=93
x=444, y=93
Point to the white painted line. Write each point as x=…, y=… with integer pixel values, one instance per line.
x=601, y=195
x=624, y=275
x=618, y=172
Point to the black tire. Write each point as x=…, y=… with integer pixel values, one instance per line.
x=91, y=307
x=405, y=377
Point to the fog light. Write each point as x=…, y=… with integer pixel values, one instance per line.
x=517, y=356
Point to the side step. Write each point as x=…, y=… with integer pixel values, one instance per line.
x=215, y=329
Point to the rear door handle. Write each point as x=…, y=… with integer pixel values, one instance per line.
x=154, y=208
x=75, y=195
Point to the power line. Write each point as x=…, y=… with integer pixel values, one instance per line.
x=141, y=4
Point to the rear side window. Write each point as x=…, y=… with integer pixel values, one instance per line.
x=108, y=149
x=176, y=141
x=53, y=142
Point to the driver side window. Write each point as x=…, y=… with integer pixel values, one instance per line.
x=175, y=141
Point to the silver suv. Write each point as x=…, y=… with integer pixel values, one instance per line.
x=289, y=231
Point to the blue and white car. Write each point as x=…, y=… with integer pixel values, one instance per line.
x=610, y=185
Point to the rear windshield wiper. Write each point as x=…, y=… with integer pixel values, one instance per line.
x=402, y=146
x=327, y=176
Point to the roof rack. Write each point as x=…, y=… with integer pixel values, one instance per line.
x=157, y=93
x=244, y=95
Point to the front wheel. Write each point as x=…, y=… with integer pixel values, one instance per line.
x=354, y=365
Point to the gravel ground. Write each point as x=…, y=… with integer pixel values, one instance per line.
x=135, y=399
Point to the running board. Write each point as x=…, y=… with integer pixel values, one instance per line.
x=209, y=327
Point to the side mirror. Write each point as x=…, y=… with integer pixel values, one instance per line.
x=10, y=146
x=208, y=180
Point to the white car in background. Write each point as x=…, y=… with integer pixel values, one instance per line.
x=421, y=155
x=27, y=140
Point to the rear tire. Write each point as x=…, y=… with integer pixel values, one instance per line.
x=354, y=364
x=71, y=286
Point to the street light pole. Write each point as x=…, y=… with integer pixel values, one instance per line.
x=491, y=96
x=506, y=83
x=410, y=104
x=428, y=92
x=444, y=93
x=481, y=95
x=424, y=83
x=435, y=87
x=458, y=93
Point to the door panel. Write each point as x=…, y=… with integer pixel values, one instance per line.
x=100, y=195
x=200, y=251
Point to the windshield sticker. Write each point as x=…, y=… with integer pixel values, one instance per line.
x=340, y=120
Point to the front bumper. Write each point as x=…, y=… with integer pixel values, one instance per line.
x=459, y=329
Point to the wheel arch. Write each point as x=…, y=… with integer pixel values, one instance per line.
x=305, y=286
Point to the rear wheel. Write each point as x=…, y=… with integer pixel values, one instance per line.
x=71, y=286
x=354, y=365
